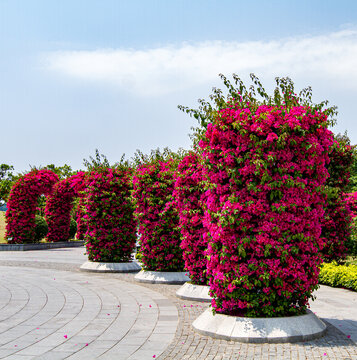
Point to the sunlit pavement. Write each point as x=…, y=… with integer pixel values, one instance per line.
x=51, y=310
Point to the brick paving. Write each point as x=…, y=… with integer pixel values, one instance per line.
x=169, y=318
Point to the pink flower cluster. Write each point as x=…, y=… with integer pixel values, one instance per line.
x=189, y=198
x=351, y=200
x=157, y=217
x=22, y=204
x=111, y=228
x=59, y=205
x=266, y=168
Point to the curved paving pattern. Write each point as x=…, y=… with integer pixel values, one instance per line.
x=31, y=274
x=53, y=314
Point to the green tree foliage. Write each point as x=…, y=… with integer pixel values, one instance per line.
x=7, y=179
x=98, y=161
x=63, y=172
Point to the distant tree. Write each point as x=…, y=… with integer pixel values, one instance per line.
x=7, y=179
x=99, y=161
x=63, y=172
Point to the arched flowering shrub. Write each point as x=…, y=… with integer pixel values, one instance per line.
x=189, y=198
x=157, y=217
x=336, y=224
x=22, y=203
x=59, y=205
x=111, y=228
x=265, y=169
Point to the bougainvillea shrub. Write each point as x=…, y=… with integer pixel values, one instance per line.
x=157, y=217
x=267, y=168
x=59, y=205
x=336, y=224
x=111, y=227
x=265, y=175
x=189, y=198
x=22, y=204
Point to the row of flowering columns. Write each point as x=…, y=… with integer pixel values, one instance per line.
x=243, y=212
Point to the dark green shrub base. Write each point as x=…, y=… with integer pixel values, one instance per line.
x=72, y=229
x=41, y=228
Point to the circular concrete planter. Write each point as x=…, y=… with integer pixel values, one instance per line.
x=161, y=277
x=260, y=330
x=110, y=267
x=193, y=292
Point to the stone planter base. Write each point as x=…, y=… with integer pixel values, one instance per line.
x=110, y=267
x=40, y=246
x=260, y=330
x=161, y=277
x=193, y=292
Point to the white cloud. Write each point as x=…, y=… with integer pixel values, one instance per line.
x=167, y=69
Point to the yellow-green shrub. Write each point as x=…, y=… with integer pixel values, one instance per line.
x=339, y=275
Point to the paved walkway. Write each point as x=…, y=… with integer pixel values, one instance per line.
x=51, y=310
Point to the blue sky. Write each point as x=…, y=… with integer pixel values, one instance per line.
x=80, y=75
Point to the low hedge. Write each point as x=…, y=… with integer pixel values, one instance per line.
x=339, y=275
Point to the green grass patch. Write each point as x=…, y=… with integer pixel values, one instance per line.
x=2, y=227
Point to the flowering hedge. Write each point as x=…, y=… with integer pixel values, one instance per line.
x=111, y=228
x=22, y=204
x=189, y=198
x=266, y=168
x=59, y=205
x=157, y=217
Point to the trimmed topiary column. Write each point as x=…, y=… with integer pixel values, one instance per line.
x=157, y=217
x=267, y=169
x=111, y=227
x=22, y=203
x=265, y=174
